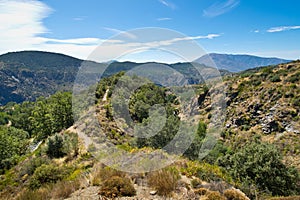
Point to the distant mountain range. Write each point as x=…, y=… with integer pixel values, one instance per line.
x=26, y=75
x=236, y=63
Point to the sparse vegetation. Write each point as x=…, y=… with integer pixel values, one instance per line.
x=164, y=181
x=117, y=186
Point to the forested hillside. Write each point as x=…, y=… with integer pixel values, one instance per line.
x=44, y=152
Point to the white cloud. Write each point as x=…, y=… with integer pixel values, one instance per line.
x=80, y=41
x=113, y=51
x=256, y=31
x=164, y=19
x=282, y=28
x=21, y=28
x=21, y=23
x=220, y=8
x=168, y=4
x=117, y=31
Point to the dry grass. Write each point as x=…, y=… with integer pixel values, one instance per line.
x=42, y=193
x=285, y=198
x=64, y=189
x=164, y=181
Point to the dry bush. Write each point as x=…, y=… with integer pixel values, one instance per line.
x=164, y=181
x=286, y=198
x=105, y=173
x=201, y=191
x=117, y=186
x=232, y=194
x=212, y=195
x=27, y=194
x=64, y=189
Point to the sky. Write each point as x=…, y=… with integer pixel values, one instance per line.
x=119, y=29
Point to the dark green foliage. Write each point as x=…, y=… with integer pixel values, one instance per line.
x=107, y=83
x=13, y=144
x=261, y=164
x=52, y=115
x=4, y=118
x=45, y=116
x=38, y=74
x=275, y=78
x=55, y=147
x=217, y=152
x=145, y=97
x=193, y=151
x=46, y=174
x=294, y=78
x=61, y=145
x=30, y=166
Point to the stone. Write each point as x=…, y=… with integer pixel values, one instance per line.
x=154, y=192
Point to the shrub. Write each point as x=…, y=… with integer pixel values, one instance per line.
x=195, y=183
x=55, y=147
x=232, y=194
x=261, y=164
x=30, y=166
x=201, y=191
x=59, y=146
x=46, y=174
x=212, y=195
x=117, y=187
x=164, y=181
x=285, y=198
x=294, y=78
x=43, y=193
x=275, y=78
x=105, y=174
x=64, y=189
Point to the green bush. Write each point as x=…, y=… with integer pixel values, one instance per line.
x=261, y=164
x=46, y=174
x=275, y=78
x=61, y=145
x=55, y=147
x=30, y=166
x=13, y=144
x=294, y=78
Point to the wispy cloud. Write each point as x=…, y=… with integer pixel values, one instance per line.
x=117, y=31
x=282, y=28
x=181, y=45
x=164, y=19
x=21, y=23
x=256, y=31
x=168, y=4
x=78, y=41
x=220, y=8
x=79, y=18
x=24, y=31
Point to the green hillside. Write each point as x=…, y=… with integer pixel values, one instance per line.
x=44, y=154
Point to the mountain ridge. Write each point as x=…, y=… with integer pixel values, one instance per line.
x=27, y=75
x=238, y=62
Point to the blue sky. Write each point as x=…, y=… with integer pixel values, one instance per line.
x=269, y=28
